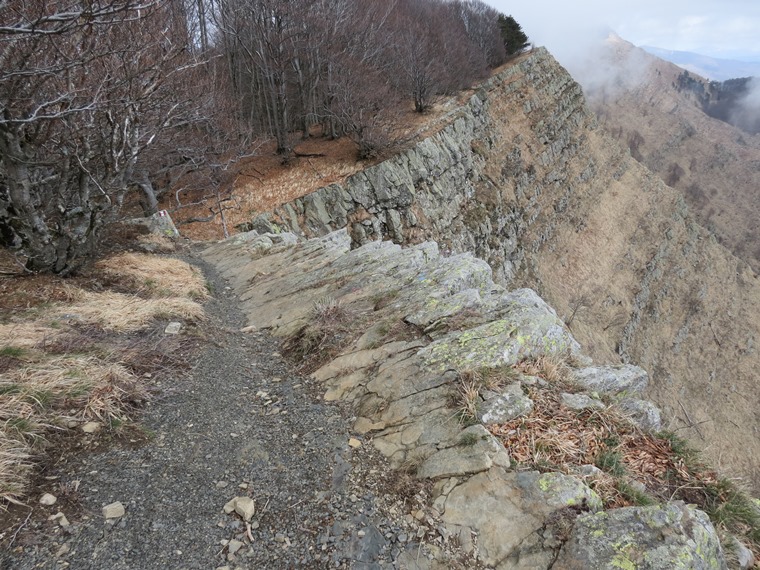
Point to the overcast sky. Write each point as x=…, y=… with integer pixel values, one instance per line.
x=726, y=28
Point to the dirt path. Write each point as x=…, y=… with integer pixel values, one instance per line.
x=242, y=424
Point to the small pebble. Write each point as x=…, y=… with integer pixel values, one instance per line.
x=47, y=499
x=113, y=511
x=63, y=551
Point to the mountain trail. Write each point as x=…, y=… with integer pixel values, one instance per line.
x=242, y=424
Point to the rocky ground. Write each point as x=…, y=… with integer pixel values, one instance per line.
x=242, y=424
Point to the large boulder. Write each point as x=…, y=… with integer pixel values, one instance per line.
x=528, y=328
x=664, y=537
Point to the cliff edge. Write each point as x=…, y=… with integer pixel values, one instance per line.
x=478, y=391
x=522, y=177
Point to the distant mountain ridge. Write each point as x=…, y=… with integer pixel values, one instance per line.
x=675, y=123
x=713, y=68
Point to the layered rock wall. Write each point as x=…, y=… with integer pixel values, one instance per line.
x=521, y=177
x=404, y=389
x=447, y=188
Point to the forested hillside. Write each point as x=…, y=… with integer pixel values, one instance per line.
x=104, y=97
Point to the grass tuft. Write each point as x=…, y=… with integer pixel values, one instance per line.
x=552, y=368
x=471, y=383
x=331, y=327
x=12, y=352
x=611, y=462
x=59, y=361
x=468, y=402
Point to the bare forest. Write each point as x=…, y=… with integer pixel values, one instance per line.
x=103, y=102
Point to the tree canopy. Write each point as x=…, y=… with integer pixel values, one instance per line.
x=512, y=35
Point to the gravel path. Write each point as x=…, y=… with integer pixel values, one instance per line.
x=242, y=424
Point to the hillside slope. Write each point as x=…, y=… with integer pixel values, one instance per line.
x=659, y=117
x=713, y=68
x=523, y=178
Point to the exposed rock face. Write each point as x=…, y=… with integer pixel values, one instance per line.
x=444, y=188
x=521, y=177
x=653, y=538
x=401, y=388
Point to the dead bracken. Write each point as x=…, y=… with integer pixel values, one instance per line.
x=634, y=468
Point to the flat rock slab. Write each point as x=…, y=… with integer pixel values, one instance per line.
x=476, y=450
x=506, y=508
x=528, y=328
x=622, y=380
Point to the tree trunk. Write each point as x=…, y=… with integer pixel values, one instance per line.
x=149, y=202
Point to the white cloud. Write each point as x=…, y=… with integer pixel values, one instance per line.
x=727, y=28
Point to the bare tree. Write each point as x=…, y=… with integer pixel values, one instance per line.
x=431, y=50
x=81, y=97
x=481, y=24
x=98, y=97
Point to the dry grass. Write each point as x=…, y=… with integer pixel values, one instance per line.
x=468, y=394
x=46, y=396
x=154, y=276
x=126, y=313
x=552, y=368
x=470, y=385
x=15, y=468
x=554, y=437
x=27, y=335
x=91, y=387
x=331, y=328
x=30, y=291
x=68, y=355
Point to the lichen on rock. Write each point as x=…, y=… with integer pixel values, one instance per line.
x=528, y=328
x=673, y=536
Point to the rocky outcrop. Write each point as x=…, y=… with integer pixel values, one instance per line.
x=441, y=188
x=669, y=537
x=420, y=321
x=520, y=176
